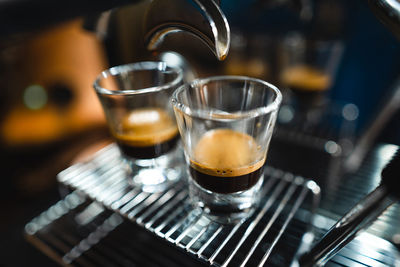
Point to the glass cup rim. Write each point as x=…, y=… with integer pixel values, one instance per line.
x=136, y=66
x=209, y=114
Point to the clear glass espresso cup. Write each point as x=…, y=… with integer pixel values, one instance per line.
x=226, y=124
x=136, y=102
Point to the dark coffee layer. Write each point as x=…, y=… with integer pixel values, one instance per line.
x=147, y=133
x=147, y=152
x=226, y=185
x=226, y=161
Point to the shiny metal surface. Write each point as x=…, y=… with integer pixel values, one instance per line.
x=104, y=238
x=357, y=219
x=57, y=235
x=170, y=215
x=388, y=11
x=352, y=192
x=201, y=18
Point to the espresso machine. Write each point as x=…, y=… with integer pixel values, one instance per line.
x=315, y=228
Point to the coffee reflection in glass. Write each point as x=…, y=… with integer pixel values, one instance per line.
x=136, y=101
x=226, y=124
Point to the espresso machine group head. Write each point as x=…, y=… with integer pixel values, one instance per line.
x=201, y=18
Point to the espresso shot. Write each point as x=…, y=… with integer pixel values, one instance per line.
x=226, y=124
x=147, y=133
x=228, y=184
x=226, y=161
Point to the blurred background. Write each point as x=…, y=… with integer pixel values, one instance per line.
x=335, y=63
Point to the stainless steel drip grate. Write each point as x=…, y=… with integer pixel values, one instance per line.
x=170, y=216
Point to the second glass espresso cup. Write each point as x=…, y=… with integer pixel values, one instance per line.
x=226, y=124
x=136, y=101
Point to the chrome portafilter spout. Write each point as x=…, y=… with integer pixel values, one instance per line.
x=358, y=218
x=201, y=18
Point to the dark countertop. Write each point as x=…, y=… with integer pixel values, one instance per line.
x=29, y=187
x=19, y=210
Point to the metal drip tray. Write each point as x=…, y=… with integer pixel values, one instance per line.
x=79, y=232
x=271, y=236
